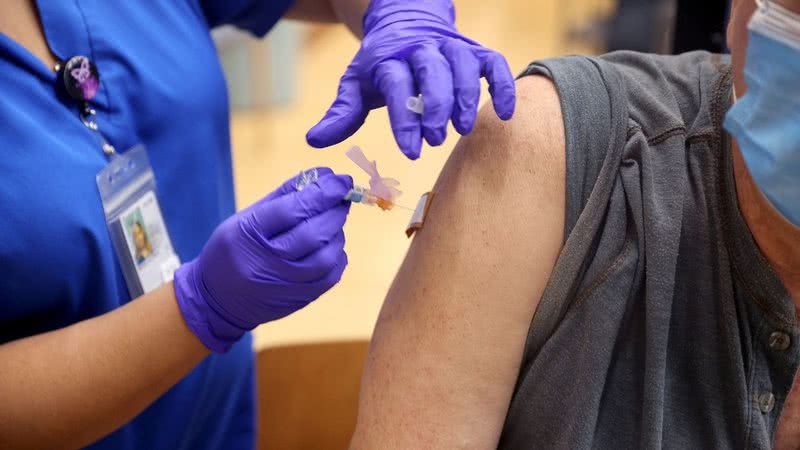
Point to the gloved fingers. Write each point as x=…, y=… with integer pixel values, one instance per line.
x=307, y=292
x=435, y=80
x=314, y=266
x=284, y=213
x=334, y=276
x=466, y=83
x=345, y=116
x=290, y=185
x=310, y=235
x=393, y=78
x=501, y=83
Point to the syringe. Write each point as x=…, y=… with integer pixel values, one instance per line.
x=360, y=194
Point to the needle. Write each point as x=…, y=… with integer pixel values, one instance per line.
x=403, y=207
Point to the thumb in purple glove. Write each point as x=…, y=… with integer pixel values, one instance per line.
x=411, y=48
x=267, y=261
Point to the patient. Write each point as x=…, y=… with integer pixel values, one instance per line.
x=615, y=207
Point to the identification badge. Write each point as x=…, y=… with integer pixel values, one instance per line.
x=144, y=250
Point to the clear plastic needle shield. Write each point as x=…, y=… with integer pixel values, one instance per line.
x=128, y=191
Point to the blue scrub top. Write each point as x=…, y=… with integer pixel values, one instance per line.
x=161, y=85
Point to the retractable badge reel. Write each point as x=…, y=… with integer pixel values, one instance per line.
x=127, y=189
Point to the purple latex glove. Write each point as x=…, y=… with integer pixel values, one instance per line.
x=413, y=47
x=267, y=261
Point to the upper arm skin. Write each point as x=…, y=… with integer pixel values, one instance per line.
x=349, y=12
x=448, y=344
x=312, y=11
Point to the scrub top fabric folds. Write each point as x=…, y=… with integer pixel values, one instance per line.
x=161, y=86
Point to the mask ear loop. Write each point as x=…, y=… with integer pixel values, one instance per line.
x=777, y=22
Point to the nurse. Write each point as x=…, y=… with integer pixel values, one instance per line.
x=98, y=347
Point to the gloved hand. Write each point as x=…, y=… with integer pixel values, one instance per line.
x=267, y=261
x=410, y=45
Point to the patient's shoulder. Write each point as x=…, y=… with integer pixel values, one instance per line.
x=536, y=122
x=525, y=153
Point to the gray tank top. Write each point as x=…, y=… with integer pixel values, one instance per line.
x=662, y=325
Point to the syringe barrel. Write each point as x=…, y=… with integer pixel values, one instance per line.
x=360, y=194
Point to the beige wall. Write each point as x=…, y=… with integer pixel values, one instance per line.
x=270, y=147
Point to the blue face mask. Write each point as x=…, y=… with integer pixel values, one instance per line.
x=766, y=121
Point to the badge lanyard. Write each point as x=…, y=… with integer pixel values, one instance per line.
x=127, y=189
x=81, y=80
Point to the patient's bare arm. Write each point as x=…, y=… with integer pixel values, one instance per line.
x=448, y=344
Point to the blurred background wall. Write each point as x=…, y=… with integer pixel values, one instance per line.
x=281, y=86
